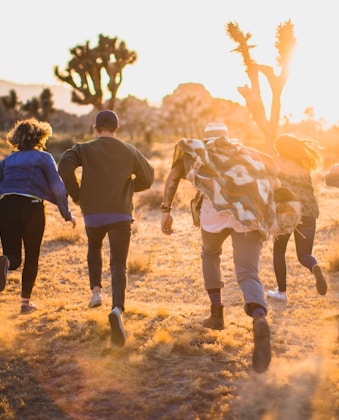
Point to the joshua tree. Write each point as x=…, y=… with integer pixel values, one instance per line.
x=9, y=109
x=39, y=107
x=84, y=72
x=11, y=100
x=46, y=104
x=31, y=108
x=285, y=44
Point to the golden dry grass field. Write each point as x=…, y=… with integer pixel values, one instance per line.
x=57, y=363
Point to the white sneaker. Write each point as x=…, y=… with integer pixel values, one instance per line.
x=275, y=294
x=95, y=301
x=118, y=334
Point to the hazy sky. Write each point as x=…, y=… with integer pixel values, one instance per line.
x=179, y=41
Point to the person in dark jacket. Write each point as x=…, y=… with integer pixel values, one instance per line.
x=112, y=171
x=28, y=176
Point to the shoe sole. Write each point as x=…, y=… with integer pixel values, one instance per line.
x=321, y=284
x=27, y=310
x=3, y=272
x=95, y=305
x=213, y=327
x=276, y=298
x=117, y=330
x=96, y=301
x=262, y=347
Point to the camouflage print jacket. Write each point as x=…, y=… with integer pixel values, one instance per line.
x=235, y=178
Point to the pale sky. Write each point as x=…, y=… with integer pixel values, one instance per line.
x=179, y=41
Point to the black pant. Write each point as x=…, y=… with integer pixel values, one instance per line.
x=119, y=235
x=304, y=238
x=22, y=221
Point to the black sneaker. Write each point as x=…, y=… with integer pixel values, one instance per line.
x=262, y=347
x=118, y=334
x=321, y=284
x=4, y=266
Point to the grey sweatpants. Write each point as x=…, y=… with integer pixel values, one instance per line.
x=246, y=254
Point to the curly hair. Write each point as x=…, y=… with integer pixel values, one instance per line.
x=304, y=152
x=29, y=134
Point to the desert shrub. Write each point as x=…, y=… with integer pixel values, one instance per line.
x=333, y=254
x=58, y=143
x=138, y=263
x=148, y=200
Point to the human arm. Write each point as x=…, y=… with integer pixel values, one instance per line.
x=143, y=173
x=57, y=190
x=171, y=186
x=73, y=221
x=69, y=161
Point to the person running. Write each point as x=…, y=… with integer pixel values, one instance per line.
x=112, y=171
x=296, y=159
x=237, y=187
x=28, y=176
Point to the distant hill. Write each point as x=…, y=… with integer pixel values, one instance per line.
x=61, y=96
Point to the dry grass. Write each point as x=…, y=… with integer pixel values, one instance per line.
x=57, y=363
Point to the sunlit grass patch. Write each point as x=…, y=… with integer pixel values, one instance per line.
x=139, y=263
x=66, y=236
x=170, y=367
x=333, y=254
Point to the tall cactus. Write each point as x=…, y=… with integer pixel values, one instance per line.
x=84, y=72
x=285, y=44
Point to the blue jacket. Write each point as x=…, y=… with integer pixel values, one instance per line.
x=34, y=172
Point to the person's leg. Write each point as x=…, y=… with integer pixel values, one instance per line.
x=279, y=266
x=246, y=253
x=304, y=239
x=11, y=238
x=119, y=235
x=210, y=256
x=279, y=261
x=33, y=221
x=211, y=250
x=95, y=237
x=11, y=229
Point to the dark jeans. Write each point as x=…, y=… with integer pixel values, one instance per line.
x=304, y=238
x=22, y=220
x=119, y=235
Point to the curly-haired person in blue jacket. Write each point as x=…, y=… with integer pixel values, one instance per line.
x=28, y=176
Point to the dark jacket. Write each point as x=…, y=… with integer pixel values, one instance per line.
x=111, y=172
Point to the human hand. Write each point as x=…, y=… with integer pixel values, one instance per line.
x=166, y=223
x=73, y=221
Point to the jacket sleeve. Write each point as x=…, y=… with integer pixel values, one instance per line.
x=57, y=189
x=143, y=172
x=69, y=161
